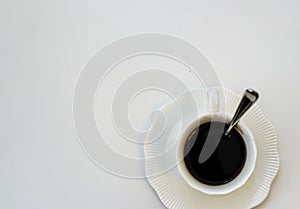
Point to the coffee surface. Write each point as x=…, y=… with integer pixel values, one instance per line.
x=227, y=160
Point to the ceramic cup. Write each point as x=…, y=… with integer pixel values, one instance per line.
x=239, y=180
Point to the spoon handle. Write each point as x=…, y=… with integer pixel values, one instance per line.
x=249, y=98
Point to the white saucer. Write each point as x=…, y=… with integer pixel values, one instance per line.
x=160, y=154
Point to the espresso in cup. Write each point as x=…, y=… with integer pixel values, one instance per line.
x=225, y=163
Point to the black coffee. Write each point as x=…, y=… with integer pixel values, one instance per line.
x=227, y=160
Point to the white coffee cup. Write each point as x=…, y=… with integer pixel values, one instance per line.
x=242, y=177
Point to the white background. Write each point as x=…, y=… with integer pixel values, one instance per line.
x=45, y=44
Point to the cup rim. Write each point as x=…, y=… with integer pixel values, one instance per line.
x=239, y=180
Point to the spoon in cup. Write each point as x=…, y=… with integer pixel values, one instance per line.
x=249, y=98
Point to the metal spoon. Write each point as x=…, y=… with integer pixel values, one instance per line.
x=249, y=98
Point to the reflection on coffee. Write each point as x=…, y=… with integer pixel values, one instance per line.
x=227, y=160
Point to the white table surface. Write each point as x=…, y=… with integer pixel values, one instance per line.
x=44, y=46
